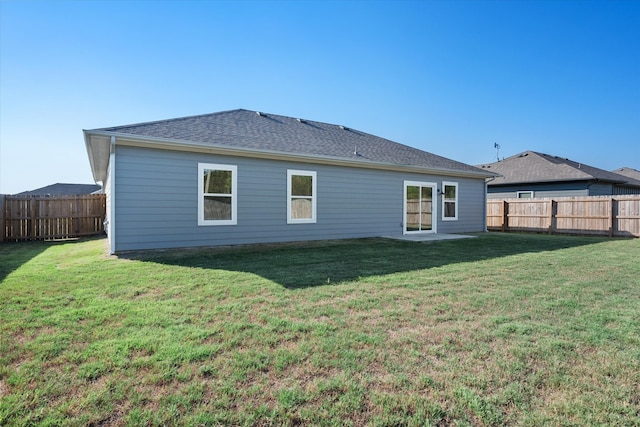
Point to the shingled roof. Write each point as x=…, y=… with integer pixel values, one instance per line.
x=531, y=166
x=271, y=133
x=59, y=189
x=629, y=173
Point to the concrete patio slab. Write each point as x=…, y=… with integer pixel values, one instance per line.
x=431, y=237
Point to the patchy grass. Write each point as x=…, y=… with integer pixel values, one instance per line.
x=497, y=330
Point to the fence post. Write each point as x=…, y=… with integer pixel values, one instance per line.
x=552, y=216
x=31, y=233
x=3, y=232
x=505, y=215
x=612, y=217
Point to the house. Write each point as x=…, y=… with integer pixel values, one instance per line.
x=532, y=174
x=241, y=177
x=59, y=189
x=629, y=173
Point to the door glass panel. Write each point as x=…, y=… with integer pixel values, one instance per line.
x=426, y=205
x=413, y=208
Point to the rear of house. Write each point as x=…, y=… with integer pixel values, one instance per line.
x=241, y=177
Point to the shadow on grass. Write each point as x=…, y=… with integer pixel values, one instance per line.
x=14, y=254
x=300, y=265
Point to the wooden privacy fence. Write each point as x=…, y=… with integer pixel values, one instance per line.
x=594, y=215
x=48, y=218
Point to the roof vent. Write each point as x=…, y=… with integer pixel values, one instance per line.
x=301, y=120
x=259, y=113
x=344, y=127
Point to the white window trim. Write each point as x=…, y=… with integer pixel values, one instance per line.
x=444, y=200
x=518, y=193
x=314, y=196
x=234, y=194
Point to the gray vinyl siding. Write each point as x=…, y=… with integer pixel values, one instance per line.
x=471, y=206
x=600, y=189
x=107, y=186
x=157, y=201
x=559, y=189
x=554, y=189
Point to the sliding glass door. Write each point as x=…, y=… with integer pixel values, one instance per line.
x=419, y=206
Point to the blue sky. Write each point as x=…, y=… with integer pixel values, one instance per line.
x=449, y=77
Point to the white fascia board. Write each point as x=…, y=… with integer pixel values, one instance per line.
x=191, y=146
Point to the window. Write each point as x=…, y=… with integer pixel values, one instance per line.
x=217, y=194
x=524, y=195
x=450, y=202
x=301, y=197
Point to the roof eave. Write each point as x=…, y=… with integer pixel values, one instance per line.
x=194, y=146
x=98, y=150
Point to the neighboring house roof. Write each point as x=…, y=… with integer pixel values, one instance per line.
x=531, y=166
x=629, y=172
x=59, y=189
x=257, y=132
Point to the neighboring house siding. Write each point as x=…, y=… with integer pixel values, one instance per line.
x=157, y=201
x=600, y=189
x=625, y=189
x=562, y=189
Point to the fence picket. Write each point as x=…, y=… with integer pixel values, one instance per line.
x=594, y=215
x=47, y=218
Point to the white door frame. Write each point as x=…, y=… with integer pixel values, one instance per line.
x=434, y=207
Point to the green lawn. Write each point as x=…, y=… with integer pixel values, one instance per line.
x=498, y=330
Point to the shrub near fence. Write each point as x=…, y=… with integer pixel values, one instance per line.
x=594, y=215
x=48, y=218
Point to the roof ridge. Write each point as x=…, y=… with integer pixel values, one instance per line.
x=583, y=168
x=172, y=120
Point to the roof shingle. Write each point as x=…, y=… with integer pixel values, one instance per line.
x=629, y=173
x=59, y=189
x=275, y=133
x=531, y=166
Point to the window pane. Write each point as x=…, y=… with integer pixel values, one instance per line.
x=301, y=208
x=450, y=191
x=427, y=193
x=301, y=185
x=217, y=207
x=449, y=209
x=413, y=192
x=217, y=181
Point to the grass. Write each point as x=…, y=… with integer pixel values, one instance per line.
x=522, y=330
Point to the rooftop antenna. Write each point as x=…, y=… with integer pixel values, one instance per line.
x=497, y=147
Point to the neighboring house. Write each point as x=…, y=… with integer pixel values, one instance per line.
x=629, y=173
x=239, y=177
x=63, y=190
x=531, y=174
